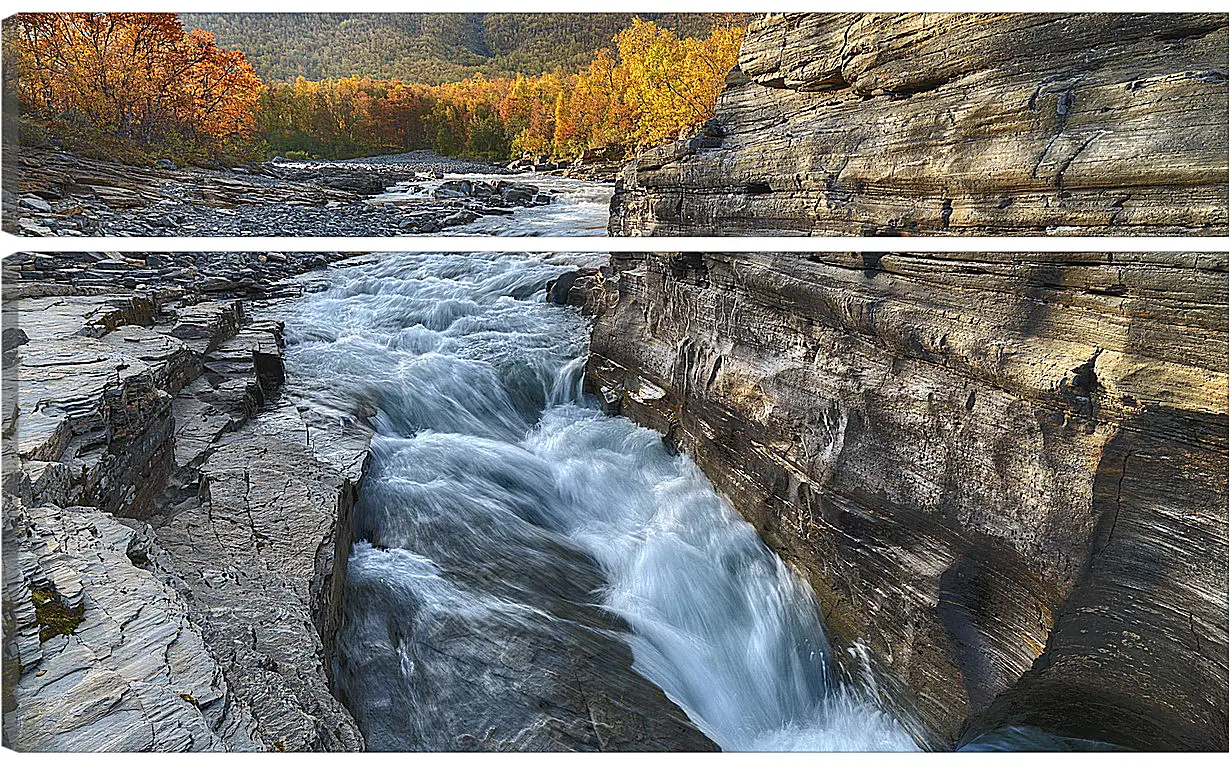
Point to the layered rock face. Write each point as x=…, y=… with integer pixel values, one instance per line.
x=977, y=124
x=170, y=534
x=1006, y=473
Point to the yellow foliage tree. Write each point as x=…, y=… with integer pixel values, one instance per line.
x=141, y=76
x=646, y=90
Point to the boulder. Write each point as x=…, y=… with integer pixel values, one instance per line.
x=36, y=204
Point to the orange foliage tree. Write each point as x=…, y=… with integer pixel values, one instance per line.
x=647, y=89
x=136, y=76
x=143, y=78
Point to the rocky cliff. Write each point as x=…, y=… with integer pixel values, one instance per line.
x=1006, y=473
x=977, y=124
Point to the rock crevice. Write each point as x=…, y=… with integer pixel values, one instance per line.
x=171, y=537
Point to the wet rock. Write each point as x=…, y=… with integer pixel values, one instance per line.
x=577, y=288
x=499, y=193
x=454, y=188
x=520, y=194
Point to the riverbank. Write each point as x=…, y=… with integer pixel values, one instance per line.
x=148, y=439
x=153, y=420
x=50, y=193
x=169, y=585
x=1004, y=473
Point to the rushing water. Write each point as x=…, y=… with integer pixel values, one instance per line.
x=500, y=502
x=489, y=464
x=578, y=209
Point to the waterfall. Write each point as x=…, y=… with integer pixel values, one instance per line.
x=494, y=488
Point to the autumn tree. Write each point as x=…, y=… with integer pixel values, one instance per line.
x=645, y=90
x=140, y=77
x=672, y=83
x=654, y=86
x=143, y=78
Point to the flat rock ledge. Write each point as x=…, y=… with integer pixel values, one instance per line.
x=174, y=546
x=50, y=192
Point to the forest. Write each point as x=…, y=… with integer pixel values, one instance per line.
x=429, y=48
x=136, y=86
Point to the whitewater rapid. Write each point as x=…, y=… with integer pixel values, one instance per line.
x=493, y=480
x=578, y=208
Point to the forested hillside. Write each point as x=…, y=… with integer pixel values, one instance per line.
x=430, y=48
x=644, y=89
x=142, y=86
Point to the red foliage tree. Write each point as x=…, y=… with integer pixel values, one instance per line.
x=138, y=76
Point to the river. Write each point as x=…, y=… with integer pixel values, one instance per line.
x=488, y=457
x=579, y=208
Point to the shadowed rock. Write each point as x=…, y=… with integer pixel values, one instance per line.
x=1005, y=472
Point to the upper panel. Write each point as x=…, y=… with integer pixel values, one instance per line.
x=854, y=124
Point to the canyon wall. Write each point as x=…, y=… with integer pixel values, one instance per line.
x=1005, y=473
x=977, y=124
